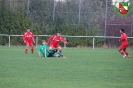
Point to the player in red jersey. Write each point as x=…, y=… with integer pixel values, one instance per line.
x=28, y=39
x=124, y=40
x=54, y=41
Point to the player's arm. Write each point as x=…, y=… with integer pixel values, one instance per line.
x=63, y=40
x=39, y=53
x=46, y=48
x=46, y=51
x=33, y=38
x=50, y=39
x=123, y=37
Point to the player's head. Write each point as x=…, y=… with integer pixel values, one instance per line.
x=58, y=34
x=43, y=42
x=122, y=30
x=28, y=29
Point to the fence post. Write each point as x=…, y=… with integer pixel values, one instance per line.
x=106, y=11
x=132, y=25
x=9, y=39
x=93, y=42
x=28, y=6
x=36, y=41
x=79, y=12
x=65, y=43
x=54, y=10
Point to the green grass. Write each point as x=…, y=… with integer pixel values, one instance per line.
x=83, y=68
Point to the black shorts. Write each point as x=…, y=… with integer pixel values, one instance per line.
x=52, y=52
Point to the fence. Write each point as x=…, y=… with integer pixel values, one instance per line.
x=93, y=38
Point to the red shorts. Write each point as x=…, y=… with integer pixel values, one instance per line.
x=123, y=46
x=29, y=43
x=54, y=45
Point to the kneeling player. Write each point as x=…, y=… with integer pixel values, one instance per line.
x=122, y=48
x=43, y=49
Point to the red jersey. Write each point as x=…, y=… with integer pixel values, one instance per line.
x=28, y=36
x=124, y=38
x=56, y=39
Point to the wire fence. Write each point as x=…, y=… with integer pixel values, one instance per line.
x=94, y=43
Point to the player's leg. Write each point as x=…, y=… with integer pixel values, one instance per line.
x=32, y=47
x=51, y=53
x=121, y=51
x=59, y=53
x=126, y=52
x=26, y=48
x=51, y=46
x=59, y=48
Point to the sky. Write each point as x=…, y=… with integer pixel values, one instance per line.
x=117, y=4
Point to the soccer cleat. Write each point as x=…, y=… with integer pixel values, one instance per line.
x=124, y=56
x=32, y=50
x=26, y=50
x=128, y=56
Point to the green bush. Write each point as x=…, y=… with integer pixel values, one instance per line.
x=15, y=22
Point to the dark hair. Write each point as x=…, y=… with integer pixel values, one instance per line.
x=58, y=32
x=43, y=41
x=27, y=28
x=122, y=30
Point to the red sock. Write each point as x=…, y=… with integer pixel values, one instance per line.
x=122, y=52
x=32, y=50
x=127, y=54
x=26, y=50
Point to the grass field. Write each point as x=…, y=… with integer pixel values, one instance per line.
x=83, y=68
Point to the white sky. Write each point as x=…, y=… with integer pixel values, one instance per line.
x=117, y=4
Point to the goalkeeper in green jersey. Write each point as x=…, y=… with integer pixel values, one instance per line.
x=43, y=49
